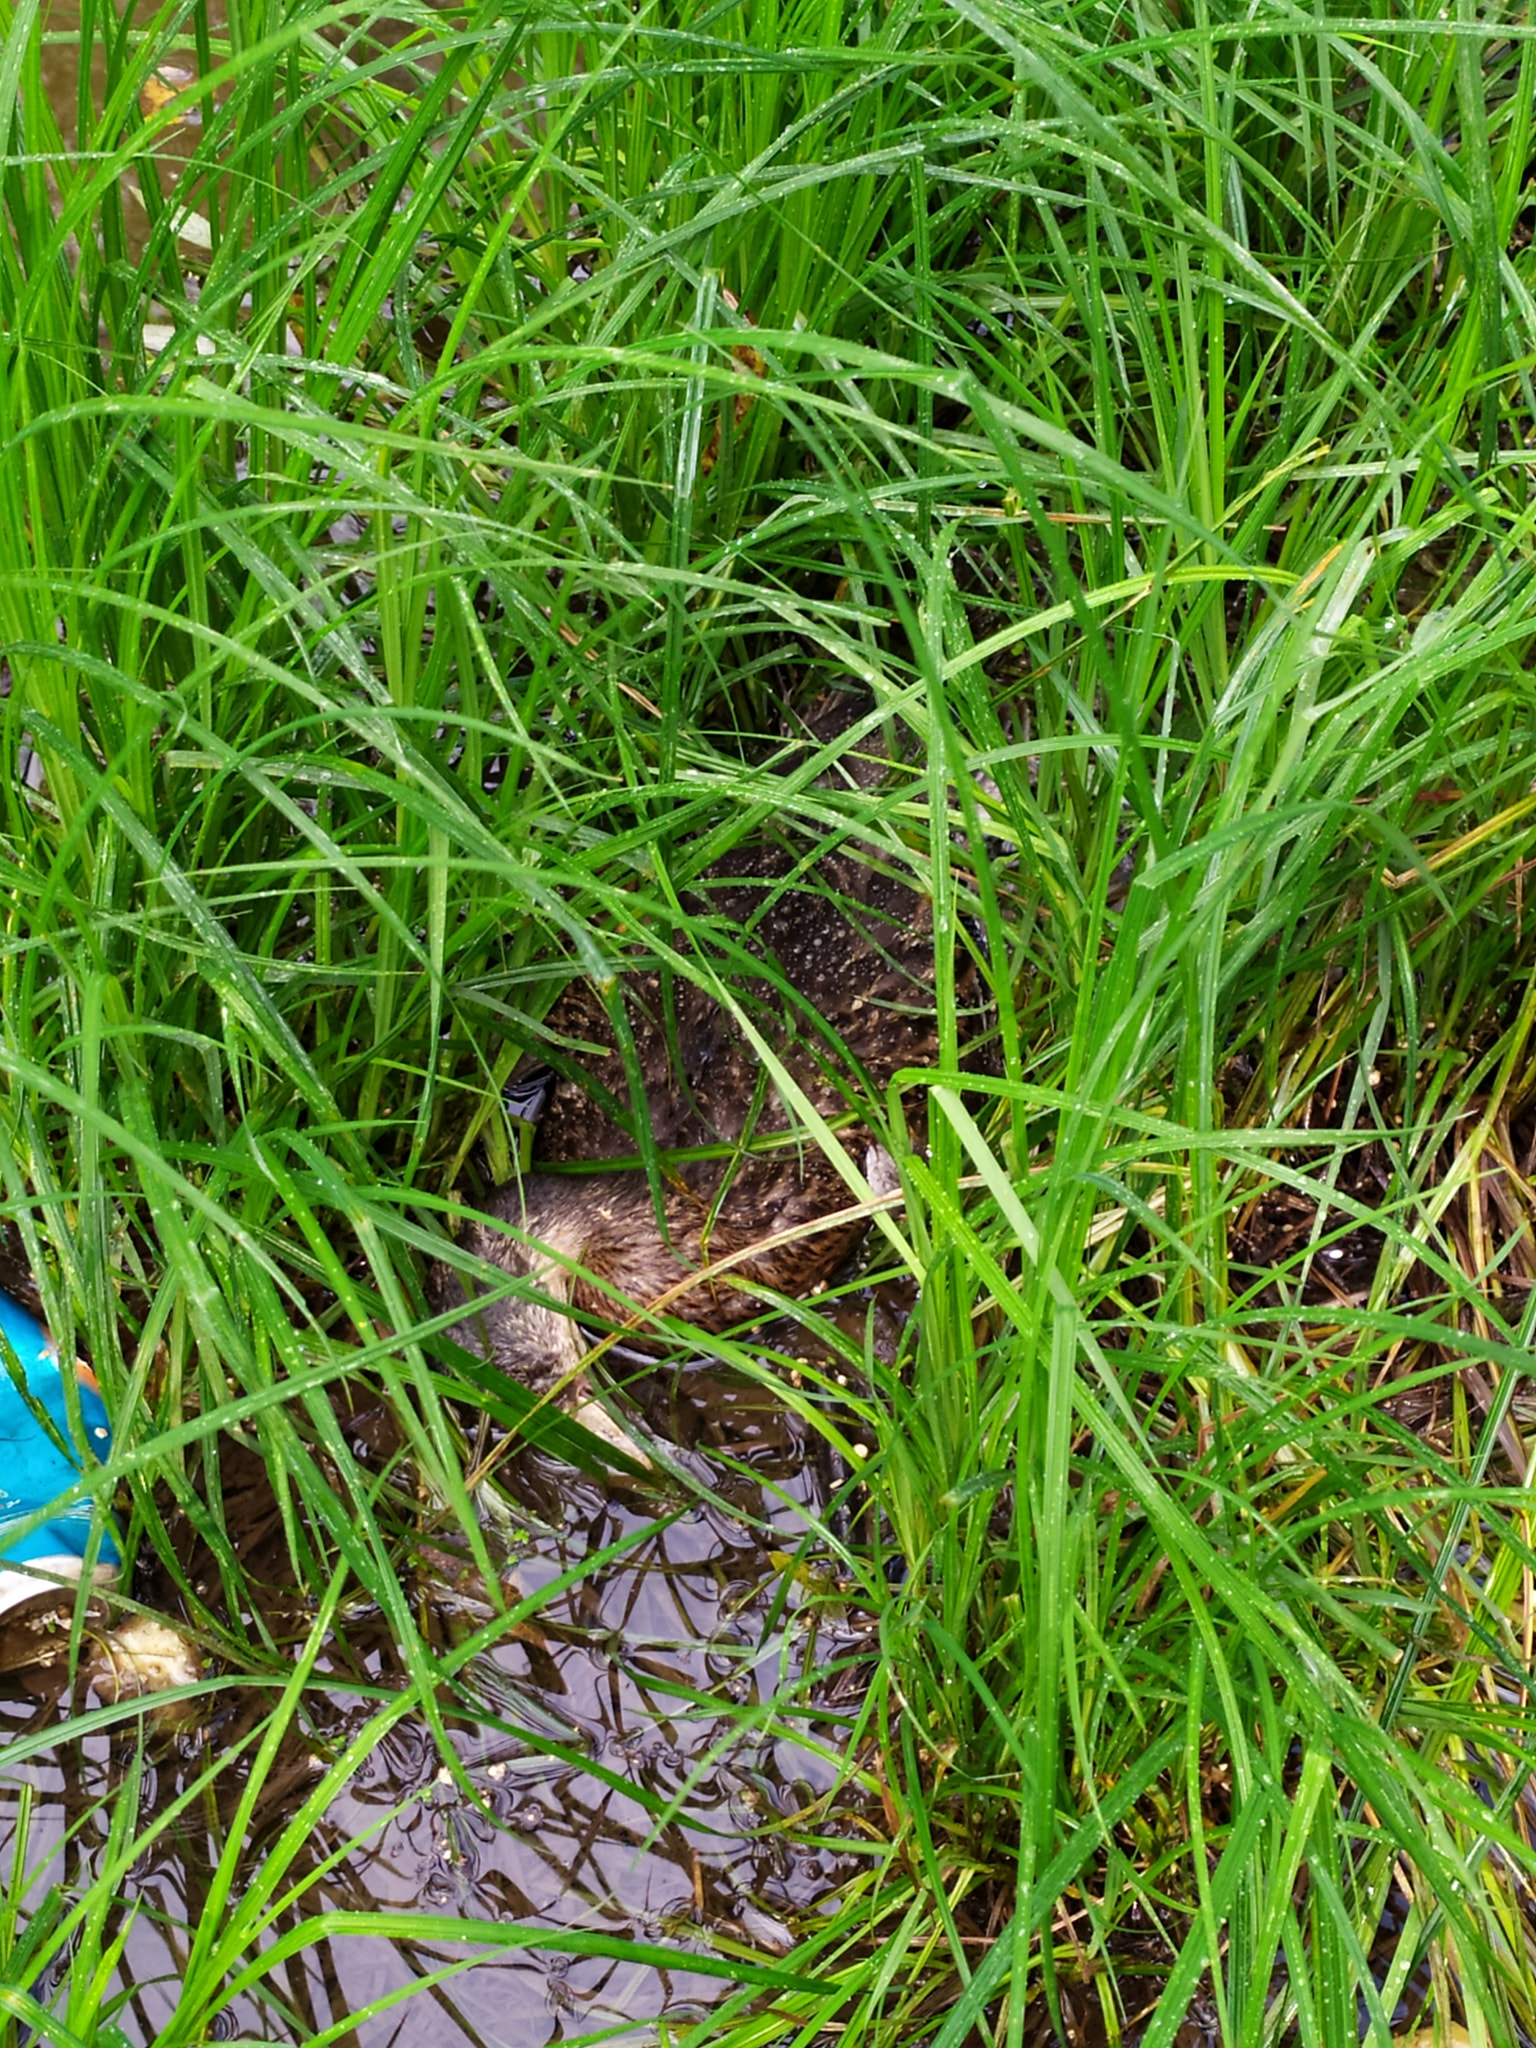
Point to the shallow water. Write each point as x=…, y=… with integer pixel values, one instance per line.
x=637, y=1674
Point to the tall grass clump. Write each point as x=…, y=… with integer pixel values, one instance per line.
x=436, y=457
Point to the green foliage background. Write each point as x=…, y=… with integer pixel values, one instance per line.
x=428, y=460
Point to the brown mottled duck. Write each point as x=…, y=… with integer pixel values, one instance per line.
x=855, y=946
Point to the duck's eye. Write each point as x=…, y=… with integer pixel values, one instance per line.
x=527, y=1095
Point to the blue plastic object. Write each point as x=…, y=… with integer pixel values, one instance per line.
x=38, y=1463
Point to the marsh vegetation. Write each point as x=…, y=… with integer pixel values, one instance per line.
x=435, y=470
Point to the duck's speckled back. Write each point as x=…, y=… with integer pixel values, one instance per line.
x=853, y=944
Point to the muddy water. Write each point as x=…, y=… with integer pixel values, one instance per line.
x=634, y=1677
